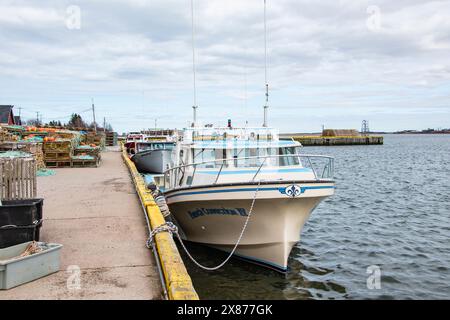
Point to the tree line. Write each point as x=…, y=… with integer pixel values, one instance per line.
x=76, y=121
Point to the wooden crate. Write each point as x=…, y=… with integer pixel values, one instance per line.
x=64, y=135
x=58, y=146
x=58, y=164
x=6, y=136
x=57, y=156
x=97, y=139
x=84, y=150
x=111, y=138
x=35, y=148
x=84, y=163
x=17, y=178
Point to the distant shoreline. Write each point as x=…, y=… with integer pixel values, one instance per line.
x=369, y=133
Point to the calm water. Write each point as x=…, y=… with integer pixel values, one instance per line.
x=391, y=209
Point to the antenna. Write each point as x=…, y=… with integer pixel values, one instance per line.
x=194, y=107
x=266, y=106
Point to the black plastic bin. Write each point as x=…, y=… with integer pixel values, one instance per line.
x=20, y=212
x=11, y=235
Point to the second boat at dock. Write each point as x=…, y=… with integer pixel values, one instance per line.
x=153, y=153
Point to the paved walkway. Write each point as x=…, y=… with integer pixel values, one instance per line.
x=96, y=214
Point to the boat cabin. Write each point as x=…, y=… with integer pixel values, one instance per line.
x=235, y=155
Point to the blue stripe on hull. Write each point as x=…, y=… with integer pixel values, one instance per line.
x=243, y=190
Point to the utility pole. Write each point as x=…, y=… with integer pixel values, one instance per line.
x=93, y=113
x=104, y=124
x=37, y=118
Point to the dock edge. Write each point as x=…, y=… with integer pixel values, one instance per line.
x=177, y=280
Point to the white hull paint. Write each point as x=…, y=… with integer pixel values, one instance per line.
x=215, y=215
x=153, y=161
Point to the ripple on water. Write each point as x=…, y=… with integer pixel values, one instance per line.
x=391, y=209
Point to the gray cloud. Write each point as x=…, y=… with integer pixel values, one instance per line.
x=323, y=59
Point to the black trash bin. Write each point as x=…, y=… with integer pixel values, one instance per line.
x=10, y=235
x=20, y=212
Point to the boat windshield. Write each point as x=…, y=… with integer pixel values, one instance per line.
x=155, y=146
x=247, y=157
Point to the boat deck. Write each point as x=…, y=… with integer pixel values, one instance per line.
x=96, y=214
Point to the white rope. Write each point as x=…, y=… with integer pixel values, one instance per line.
x=172, y=229
x=235, y=246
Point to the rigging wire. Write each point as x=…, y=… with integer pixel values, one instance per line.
x=266, y=106
x=265, y=46
x=265, y=52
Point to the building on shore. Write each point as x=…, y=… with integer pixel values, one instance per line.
x=6, y=114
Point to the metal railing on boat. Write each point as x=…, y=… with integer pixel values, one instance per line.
x=177, y=176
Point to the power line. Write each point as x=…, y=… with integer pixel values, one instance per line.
x=60, y=117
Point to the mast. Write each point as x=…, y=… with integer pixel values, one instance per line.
x=194, y=106
x=266, y=106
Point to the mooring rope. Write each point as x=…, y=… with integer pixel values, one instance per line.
x=172, y=229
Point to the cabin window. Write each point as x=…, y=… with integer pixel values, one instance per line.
x=204, y=155
x=219, y=155
x=272, y=160
x=237, y=153
x=168, y=146
x=289, y=160
x=253, y=161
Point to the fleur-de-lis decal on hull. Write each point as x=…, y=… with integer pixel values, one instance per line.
x=293, y=191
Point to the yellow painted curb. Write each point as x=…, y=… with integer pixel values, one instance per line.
x=178, y=282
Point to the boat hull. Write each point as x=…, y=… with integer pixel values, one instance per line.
x=215, y=216
x=152, y=161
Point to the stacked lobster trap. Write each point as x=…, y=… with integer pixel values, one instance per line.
x=17, y=176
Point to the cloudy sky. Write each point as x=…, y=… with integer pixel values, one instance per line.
x=331, y=62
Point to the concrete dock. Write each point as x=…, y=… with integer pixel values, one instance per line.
x=96, y=214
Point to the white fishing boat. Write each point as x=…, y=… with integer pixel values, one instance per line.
x=242, y=190
x=132, y=139
x=245, y=188
x=154, y=153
